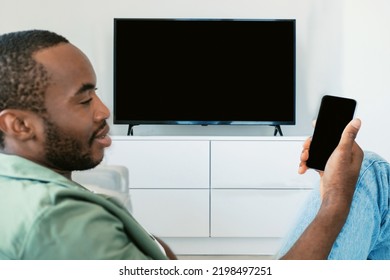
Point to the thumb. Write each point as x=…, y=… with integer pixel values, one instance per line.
x=350, y=132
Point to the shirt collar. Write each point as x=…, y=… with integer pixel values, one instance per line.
x=17, y=167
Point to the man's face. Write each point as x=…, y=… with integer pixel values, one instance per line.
x=75, y=128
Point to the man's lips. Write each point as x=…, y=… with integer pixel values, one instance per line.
x=102, y=137
x=103, y=132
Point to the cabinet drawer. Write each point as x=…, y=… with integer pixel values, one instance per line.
x=255, y=213
x=172, y=213
x=258, y=164
x=163, y=164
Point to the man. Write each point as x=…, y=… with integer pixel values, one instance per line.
x=52, y=123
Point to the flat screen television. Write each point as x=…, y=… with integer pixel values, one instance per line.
x=197, y=71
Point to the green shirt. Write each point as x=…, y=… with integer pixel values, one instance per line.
x=43, y=215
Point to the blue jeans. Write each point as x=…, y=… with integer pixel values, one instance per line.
x=366, y=233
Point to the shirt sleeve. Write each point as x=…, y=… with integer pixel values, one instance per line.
x=81, y=230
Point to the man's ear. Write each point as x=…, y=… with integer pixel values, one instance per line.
x=17, y=124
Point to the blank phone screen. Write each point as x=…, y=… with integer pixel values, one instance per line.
x=333, y=116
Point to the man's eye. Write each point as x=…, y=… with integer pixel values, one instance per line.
x=86, y=101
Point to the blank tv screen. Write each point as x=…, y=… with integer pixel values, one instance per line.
x=204, y=71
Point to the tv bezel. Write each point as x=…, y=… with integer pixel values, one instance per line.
x=276, y=123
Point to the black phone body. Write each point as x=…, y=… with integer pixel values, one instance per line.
x=334, y=114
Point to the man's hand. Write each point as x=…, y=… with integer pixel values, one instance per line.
x=338, y=182
x=167, y=249
x=343, y=166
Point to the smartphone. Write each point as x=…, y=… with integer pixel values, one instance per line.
x=334, y=114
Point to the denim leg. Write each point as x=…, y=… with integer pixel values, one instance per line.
x=307, y=214
x=366, y=233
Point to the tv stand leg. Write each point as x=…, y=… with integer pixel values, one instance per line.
x=277, y=130
x=130, y=130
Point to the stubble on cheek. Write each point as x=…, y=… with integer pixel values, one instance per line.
x=66, y=152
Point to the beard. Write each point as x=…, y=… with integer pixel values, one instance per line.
x=66, y=152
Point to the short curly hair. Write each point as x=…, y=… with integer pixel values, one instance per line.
x=23, y=81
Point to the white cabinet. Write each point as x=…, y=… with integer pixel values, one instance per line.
x=162, y=163
x=260, y=163
x=255, y=188
x=215, y=195
x=169, y=183
x=172, y=213
x=253, y=212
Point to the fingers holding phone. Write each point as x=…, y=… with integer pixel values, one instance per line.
x=333, y=148
x=343, y=167
x=304, y=156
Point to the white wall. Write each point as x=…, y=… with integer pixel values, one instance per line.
x=342, y=48
x=366, y=60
